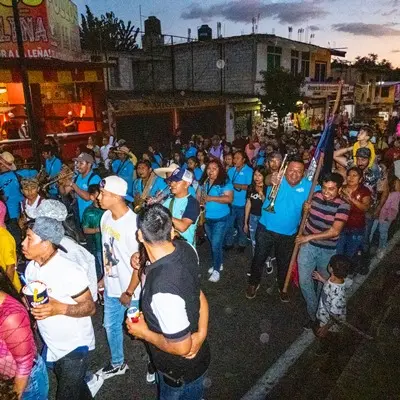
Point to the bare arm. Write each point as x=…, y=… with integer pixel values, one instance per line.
x=339, y=156
x=227, y=198
x=81, y=193
x=247, y=212
x=85, y=307
x=182, y=225
x=332, y=232
x=10, y=271
x=91, y=231
x=240, y=186
x=385, y=195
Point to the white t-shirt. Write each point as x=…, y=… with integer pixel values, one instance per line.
x=64, y=279
x=85, y=261
x=119, y=243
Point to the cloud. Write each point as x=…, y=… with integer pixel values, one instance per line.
x=361, y=29
x=314, y=28
x=390, y=13
x=243, y=11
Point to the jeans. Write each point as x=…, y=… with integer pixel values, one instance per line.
x=350, y=241
x=236, y=220
x=188, y=391
x=216, y=231
x=98, y=256
x=253, y=222
x=70, y=372
x=38, y=384
x=312, y=258
x=369, y=220
x=383, y=232
x=266, y=242
x=114, y=314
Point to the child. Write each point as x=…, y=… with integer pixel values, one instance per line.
x=32, y=200
x=387, y=215
x=91, y=228
x=363, y=140
x=332, y=303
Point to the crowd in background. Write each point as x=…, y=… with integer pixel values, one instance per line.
x=249, y=193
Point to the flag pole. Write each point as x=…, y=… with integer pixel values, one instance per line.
x=311, y=194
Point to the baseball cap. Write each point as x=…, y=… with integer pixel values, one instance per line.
x=122, y=149
x=85, y=157
x=162, y=172
x=29, y=183
x=364, y=152
x=49, y=229
x=181, y=174
x=9, y=160
x=116, y=185
x=50, y=208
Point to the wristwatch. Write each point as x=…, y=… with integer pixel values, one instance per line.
x=128, y=293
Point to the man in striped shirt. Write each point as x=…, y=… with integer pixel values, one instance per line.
x=328, y=215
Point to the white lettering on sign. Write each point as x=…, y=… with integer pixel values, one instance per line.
x=33, y=30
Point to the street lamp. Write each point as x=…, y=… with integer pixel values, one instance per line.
x=25, y=85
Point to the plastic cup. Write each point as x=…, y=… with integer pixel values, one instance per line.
x=35, y=293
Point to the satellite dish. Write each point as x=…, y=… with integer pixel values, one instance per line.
x=220, y=64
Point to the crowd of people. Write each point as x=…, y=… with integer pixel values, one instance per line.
x=122, y=229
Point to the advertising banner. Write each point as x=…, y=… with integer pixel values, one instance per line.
x=50, y=29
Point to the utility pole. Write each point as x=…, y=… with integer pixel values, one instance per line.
x=25, y=84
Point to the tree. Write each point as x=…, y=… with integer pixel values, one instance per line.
x=282, y=90
x=107, y=33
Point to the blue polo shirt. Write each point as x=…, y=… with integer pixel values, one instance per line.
x=27, y=173
x=125, y=170
x=53, y=167
x=288, y=207
x=198, y=173
x=242, y=177
x=216, y=210
x=190, y=152
x=185, y=207
x=83, y=183
x=12, y=193
x=158, y=186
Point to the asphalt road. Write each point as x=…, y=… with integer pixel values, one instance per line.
x=246, y=336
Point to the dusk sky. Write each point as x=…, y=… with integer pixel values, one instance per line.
x=363, y=26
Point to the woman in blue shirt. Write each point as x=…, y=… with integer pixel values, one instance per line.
x=215, y=196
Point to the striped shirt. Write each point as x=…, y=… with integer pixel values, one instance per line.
x=322, y=216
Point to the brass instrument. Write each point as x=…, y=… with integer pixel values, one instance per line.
x=63, y=178
x=141, y=201
x=275, y=188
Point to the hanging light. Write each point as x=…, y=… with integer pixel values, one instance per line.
x=3, y=89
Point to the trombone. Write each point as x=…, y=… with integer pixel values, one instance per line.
x=275, y=188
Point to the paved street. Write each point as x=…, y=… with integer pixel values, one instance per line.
x=246, y=337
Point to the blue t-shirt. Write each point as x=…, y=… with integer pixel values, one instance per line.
x=242, y=177
x=216, y=210
x=158, y=159
x=190, y=152
x=27, y=173
x=288, y=207
x=159, y=185
x=12, y=193
x=198, y=173
x=260, y=158
x=125, y=170
x=83, y=183
x=53, y=167
x=185, y=207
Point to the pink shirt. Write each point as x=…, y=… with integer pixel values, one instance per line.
x=17, y=345
x=391, y=207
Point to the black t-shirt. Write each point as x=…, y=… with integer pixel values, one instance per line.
x=171, y=304
x=255, y=201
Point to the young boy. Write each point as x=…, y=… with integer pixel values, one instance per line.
x=32, y=200
x=363, y=140
x=332, y=303
x=91, y=228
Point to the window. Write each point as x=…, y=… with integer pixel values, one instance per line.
x=294, y=62
x=320, y=71
x=385, y=91
x=115, y=79
x=305, y=64
x=274, y=57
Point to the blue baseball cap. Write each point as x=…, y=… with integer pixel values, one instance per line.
x=181, y=174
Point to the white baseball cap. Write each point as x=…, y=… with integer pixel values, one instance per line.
x=116, y=185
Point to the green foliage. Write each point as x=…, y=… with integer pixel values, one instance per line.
x=282, y=90
x=107, y=33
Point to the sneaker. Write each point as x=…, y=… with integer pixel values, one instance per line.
x=268, y=266
x=150, y=378
x=109, y=370
x=95, y=383
x=284, y=297
x=251, y=291
x=309, y=325
x=221, y=268
x=210, y=270
x=214, y=277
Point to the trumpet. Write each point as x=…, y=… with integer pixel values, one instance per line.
x=61, y=178
x=275, y=188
